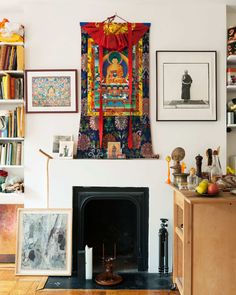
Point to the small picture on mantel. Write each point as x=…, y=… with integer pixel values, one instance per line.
x=57, y=139
x=113, y=150
x=66, y=149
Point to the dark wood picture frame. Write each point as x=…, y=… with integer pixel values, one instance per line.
x=169, y=107
x=44, y=105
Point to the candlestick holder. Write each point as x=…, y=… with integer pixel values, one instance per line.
x=168, y=159
x=108, y=277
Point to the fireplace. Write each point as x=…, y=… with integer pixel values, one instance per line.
x=112, y=216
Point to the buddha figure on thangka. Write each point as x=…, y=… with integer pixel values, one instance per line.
x=115, y=82
x=115, y=88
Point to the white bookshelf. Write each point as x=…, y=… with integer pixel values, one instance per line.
x=4, y=72
x=231, y=87
x=11, y=198
x=12, y=104
x=231, y=59
x=11, y=138
x=11, y=101
x=13, y=43
x=11, y=166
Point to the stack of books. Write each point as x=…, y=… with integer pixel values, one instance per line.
x=11, y=153
x=11, y=87
x=12, y=123
x=12, y=57
x=231, y=42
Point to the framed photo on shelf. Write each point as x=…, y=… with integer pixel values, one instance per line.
x=186, y=86
x=51, y=91
x=44, y=238
x=66, y=149
x=56, y=142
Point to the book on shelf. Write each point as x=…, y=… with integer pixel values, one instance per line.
x=12, y=122
x=11, y=87
x=6, y=86
x=12, y=57
x=11, y=153
x=20, y=58
x=22, y=122
x=3, y=154
x=18, y=153
x=3, y=56
x=7, y=58
x=11, y=63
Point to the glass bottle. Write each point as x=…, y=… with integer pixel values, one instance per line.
x=216, y=171
x=192, y=179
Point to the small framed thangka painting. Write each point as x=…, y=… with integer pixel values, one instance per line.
x=51, y=91
x=44, y=242
x=186, y=86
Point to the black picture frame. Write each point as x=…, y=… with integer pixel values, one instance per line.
x=195, y=100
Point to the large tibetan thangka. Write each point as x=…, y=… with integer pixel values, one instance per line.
x=114, y=91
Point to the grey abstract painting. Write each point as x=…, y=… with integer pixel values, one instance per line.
x=44, y=242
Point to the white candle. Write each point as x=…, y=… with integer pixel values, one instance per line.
x=88, y=263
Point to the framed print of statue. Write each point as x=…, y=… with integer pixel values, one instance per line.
x=186, y=86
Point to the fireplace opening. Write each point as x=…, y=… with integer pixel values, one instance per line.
x=115, y=217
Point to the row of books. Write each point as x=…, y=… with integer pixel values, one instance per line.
x=12, y=122
x=11, y=153
x=12, y=57
x=11, y=87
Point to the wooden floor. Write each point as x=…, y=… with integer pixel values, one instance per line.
x=10, y=284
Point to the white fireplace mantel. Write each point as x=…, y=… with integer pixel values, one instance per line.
x=64, y=174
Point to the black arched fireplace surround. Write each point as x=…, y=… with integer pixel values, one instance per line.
x=113, y=216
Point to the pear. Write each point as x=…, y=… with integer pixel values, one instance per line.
x=201, y=190
x=202, y=187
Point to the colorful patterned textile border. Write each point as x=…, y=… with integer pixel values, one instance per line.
x=120, y=110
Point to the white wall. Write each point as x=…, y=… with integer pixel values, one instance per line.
x=53, y=41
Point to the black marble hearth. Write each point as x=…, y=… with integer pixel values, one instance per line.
x=131, y=281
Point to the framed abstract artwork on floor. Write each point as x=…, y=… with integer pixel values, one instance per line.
x=186, y=86
x=44, y=242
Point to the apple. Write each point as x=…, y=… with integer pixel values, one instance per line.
x=212, y=189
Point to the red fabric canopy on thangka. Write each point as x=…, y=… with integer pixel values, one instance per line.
x=115, y=88
x=113, y=36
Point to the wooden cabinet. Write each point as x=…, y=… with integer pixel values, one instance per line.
x=204, y=243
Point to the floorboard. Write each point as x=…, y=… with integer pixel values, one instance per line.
x=10, y=284
x=107, y=292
